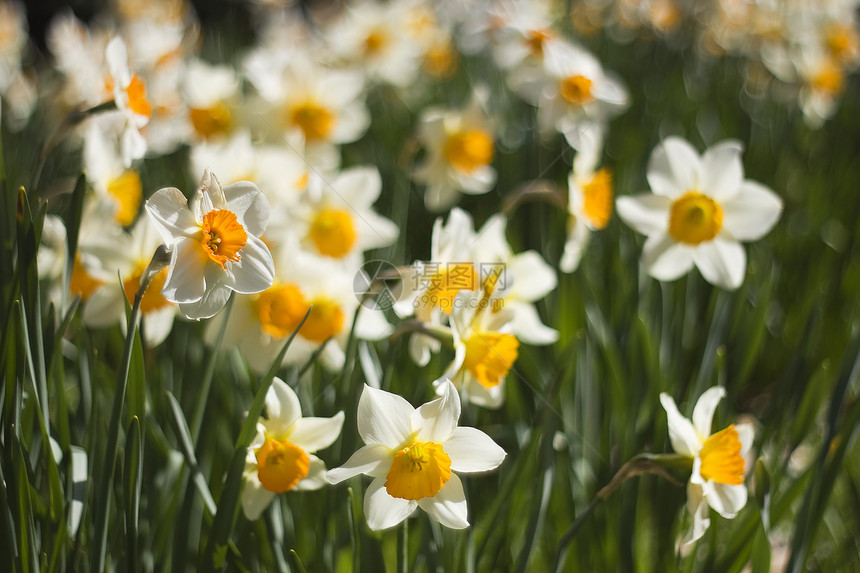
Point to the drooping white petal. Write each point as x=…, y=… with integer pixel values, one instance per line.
x=250, y=206
x=703, y=412
x=727, y=500
x=722, y=170
x=673, y=168
x=723, y=262
x=316, y=477
x=436, y=420
x=255, y=498
x=255, y=271
x=282, y=406
x=214, y=298
x=448, y=506
x=471, y=450
x=698, y=508
x=682, y=434
x=384, y=418
x=312, y=434
x=383, y=511
x=752, y=212
x=185, y=282
x=666, y=260
x=373, y=460
x=646, y=213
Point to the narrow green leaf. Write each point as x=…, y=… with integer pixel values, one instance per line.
x=185, y=443
x=132, y=481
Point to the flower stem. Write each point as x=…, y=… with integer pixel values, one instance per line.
x=403, y=547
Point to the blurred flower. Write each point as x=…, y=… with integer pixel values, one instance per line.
x=460, y=148
x=589, y=201
x=719, y=464
x=210, y=91
x=280, y=458
x=700, y=210
x=16, y=87
x=215, y=246
x=412, y=455
x=117, y=185
x=129, y=93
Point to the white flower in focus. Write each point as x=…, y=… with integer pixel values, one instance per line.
x=719, y=464
x=700, y=210
x=280, y=458
x=460, y=148
x=215, y=246
x=412, y=455
x=589, y=198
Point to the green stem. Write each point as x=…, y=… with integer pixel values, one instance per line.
x=403, y=547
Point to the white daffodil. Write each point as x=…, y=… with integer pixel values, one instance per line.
x=589, y=202
x=215, y=246
x=460, y=148
x=280, y=458
x=719, y=460
x=129, y=93
x=129, y=255
x=210, y=92
x=115, y=184
x=700, y=210
x=412, y=455
x=485, y=348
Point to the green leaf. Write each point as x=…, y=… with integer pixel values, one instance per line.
x=132, y=481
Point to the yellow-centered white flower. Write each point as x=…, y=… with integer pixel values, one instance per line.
x=412, y=454
x=700, y=209
x=280, y=458
x=215, y=246
x=719, y=459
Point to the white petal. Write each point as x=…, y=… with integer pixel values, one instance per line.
x=533, y=277
x=374, y=460
x=682, y=434
x=316, y=477
x=383, y=511
x=727, y=500
x=722, y=170
x=312, y=434
x=282, y=405
x=491, y=398
x=471, y=450
x=703, y=412
x=436, y=420
x=673, y=168
x=527, y=326
x=698, y=508
x=384, y=418
x=746, y=436
x=255, y=498
x=255, y=271
x=185, y=279
x=168, y=208
x=375, y=230
x=448, y=507
x=665, y=259
x=251, y=207
x=723, y=262
x=578, y=235
x=752, y=213
x=359, y=187
x=214, y=299
x=645, y=213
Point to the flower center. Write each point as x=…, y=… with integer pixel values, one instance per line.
x=440, y=61
x=576, y=90
x=842, y=41
x=469, y=149
x=81, y=282
x=209, y=121
x=536, y=40
x=490, y=355
x=325, y=320
x=598, y=199
x=721, y=458
x=314, y=120
x=128, y=193
x=152, y=298
x=223, y=236
x=695, y=218
x=281, y=465
x=375, y=42
x=446, y=283
x=332, y=232
x=828, y=79
x=419, y=470
x=136, y=92
x=281, y=309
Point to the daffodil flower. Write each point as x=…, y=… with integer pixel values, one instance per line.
x=700, y=210
x=215, y=246
x=280, y=458
x=412, y=455
x=719, y=459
